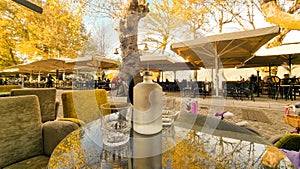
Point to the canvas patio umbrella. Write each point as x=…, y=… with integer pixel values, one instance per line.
x=276, y=56
x=19, y=68
x=224, y=50
x=263, y=61
x=96, y=62
x=154, y=59
x=13, y=70
x=164, y=63
x=46, y=65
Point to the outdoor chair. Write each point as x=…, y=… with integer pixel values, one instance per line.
x=251, y=87
x=83, y=106
x=240, y=90
x=289, y=142
x=169, y=86
x=290, y=146
x=5, y=89
x=286, y=88
x=188, y=89
x=229, y=88
x=26, y=142
x=47, y=100
x=247, y=90
x=275, y=87
x=199, y=89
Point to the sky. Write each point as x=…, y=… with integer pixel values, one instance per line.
x=113, y=43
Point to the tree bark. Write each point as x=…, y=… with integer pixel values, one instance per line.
x=128, y=36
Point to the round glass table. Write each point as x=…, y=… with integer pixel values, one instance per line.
x=200, y=143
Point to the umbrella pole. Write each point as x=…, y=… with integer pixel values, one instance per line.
x=174, y=75
x=212, y=78
x=56, y=79
x=216, y=75
x=196, y=75
x=64, y=76
x=39, y=79
x=257, y=83
x=290, y=65
x=270, y=70
x=30, y=76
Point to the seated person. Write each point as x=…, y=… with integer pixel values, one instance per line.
x=286, y=79
x=253, y=78
x=107, y=82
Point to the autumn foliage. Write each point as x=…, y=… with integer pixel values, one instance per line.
x=25, y=34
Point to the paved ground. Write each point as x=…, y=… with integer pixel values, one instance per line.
x=255, y=115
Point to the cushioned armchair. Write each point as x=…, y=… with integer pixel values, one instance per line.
x=5, y=89
x=83, y=106
x=289, y=142
x=290, y=146
x=26, y=142
x=47, y=99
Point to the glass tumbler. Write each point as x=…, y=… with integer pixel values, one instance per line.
x=115, y=123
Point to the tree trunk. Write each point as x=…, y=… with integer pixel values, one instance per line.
x=128, y=36
x=12, y=56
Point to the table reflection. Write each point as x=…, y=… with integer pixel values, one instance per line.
x=174, y=147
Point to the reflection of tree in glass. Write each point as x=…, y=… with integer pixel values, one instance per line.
x=70, y=149
x=201, y=150
x=74, y=151
x=83, y=149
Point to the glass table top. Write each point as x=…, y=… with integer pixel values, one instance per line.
x=181, y=145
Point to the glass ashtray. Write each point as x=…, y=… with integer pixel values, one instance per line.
x=169, y=116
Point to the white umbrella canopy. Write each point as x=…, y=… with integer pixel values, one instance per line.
x=66, y=64
x=263, y=61
x=47, y=65
x=153, y=59
x=165, y=63
x=19, y=68
x=97, y=62
x=226, y=50
x=231, y=49
x=276, y=56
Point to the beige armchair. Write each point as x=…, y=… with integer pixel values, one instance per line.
x=47, y=99
x=26, y=142
x=83, y=106
x=5, y=89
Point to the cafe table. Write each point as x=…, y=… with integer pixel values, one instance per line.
x=192, y=141
x=291, y=90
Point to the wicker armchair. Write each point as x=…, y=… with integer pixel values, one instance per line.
x=83, y=106
x=26, y=142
